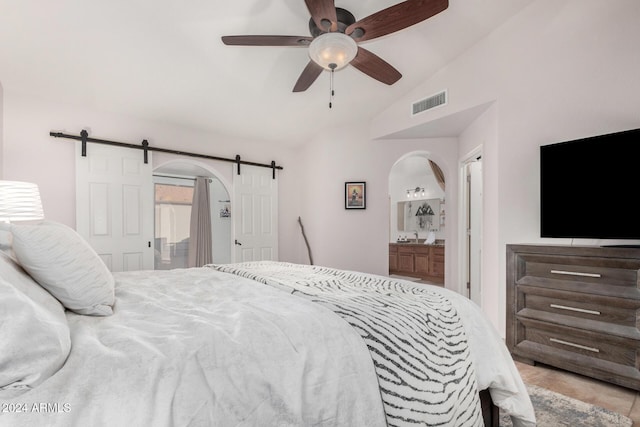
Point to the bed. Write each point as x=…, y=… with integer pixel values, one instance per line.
x=247, y=344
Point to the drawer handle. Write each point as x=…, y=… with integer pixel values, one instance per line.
x=575, y=273
x=571, y=344
x=579, y=310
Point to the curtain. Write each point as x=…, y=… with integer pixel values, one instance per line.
x=200, y=239
x=437, y=172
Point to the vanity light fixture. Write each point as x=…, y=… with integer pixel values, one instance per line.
x=415, y=192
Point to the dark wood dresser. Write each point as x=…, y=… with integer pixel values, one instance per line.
x=576, y=308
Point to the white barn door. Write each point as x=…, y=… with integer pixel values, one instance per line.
x=255, y=213
x=114, y=205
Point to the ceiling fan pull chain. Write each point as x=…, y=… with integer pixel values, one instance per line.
x=331, y=91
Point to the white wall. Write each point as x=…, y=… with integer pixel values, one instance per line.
x=30, y=154
x=559, y=70
x=482, y=133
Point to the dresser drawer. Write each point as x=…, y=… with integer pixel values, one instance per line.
x=618, y=311
x=607, y=276
x=596, y=345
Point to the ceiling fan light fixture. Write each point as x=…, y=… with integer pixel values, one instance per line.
x=333, y=51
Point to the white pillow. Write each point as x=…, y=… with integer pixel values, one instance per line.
x=35, y=339
x=64, y=264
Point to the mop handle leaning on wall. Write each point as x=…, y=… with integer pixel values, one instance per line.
x=306, y=241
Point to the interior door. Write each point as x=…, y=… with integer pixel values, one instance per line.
x=114, y=205
x=474, y=231
x=255, y=213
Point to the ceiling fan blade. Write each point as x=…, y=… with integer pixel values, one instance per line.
x=308, y=76
x=300, y=41
x=395, y=18
x=376, y=67
x=322, y=11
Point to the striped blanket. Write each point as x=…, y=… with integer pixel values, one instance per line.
x=417, y=342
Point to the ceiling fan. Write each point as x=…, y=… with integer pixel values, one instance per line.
x=335, y=34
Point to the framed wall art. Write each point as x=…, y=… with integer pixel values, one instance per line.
x=355, y=195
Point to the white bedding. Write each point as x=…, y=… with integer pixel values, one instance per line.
x=494, y=367
x=415, y=337
x=201, y=348
x=197, y=347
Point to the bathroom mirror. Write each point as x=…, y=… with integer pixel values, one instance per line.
x=419, y=215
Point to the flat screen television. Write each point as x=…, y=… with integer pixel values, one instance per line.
x=590, y=188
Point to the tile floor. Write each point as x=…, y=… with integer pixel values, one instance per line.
x=619, y=399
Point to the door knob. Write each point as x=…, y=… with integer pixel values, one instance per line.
x=238, y=243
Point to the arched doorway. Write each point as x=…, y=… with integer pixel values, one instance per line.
x=173, y=193
x=417, y=219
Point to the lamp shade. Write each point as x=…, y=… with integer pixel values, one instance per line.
x=20, y=201
x=333, y=51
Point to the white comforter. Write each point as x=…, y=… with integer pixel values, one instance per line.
x=494, y=368
x=201, y=348
x=198, y=347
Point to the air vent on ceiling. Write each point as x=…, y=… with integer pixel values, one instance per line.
x=429, y=103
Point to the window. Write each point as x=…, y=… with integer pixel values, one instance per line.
x=172, y=223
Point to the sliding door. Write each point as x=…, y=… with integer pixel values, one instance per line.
x=256, y=223
x=114, y=205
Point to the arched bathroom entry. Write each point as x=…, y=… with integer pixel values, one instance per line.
x=417, y=218
x=173, y=193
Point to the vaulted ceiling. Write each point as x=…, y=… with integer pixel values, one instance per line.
x=164, y=60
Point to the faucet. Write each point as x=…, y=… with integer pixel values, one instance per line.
x=415, y=233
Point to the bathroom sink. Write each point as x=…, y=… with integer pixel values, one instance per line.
x=420, y=242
